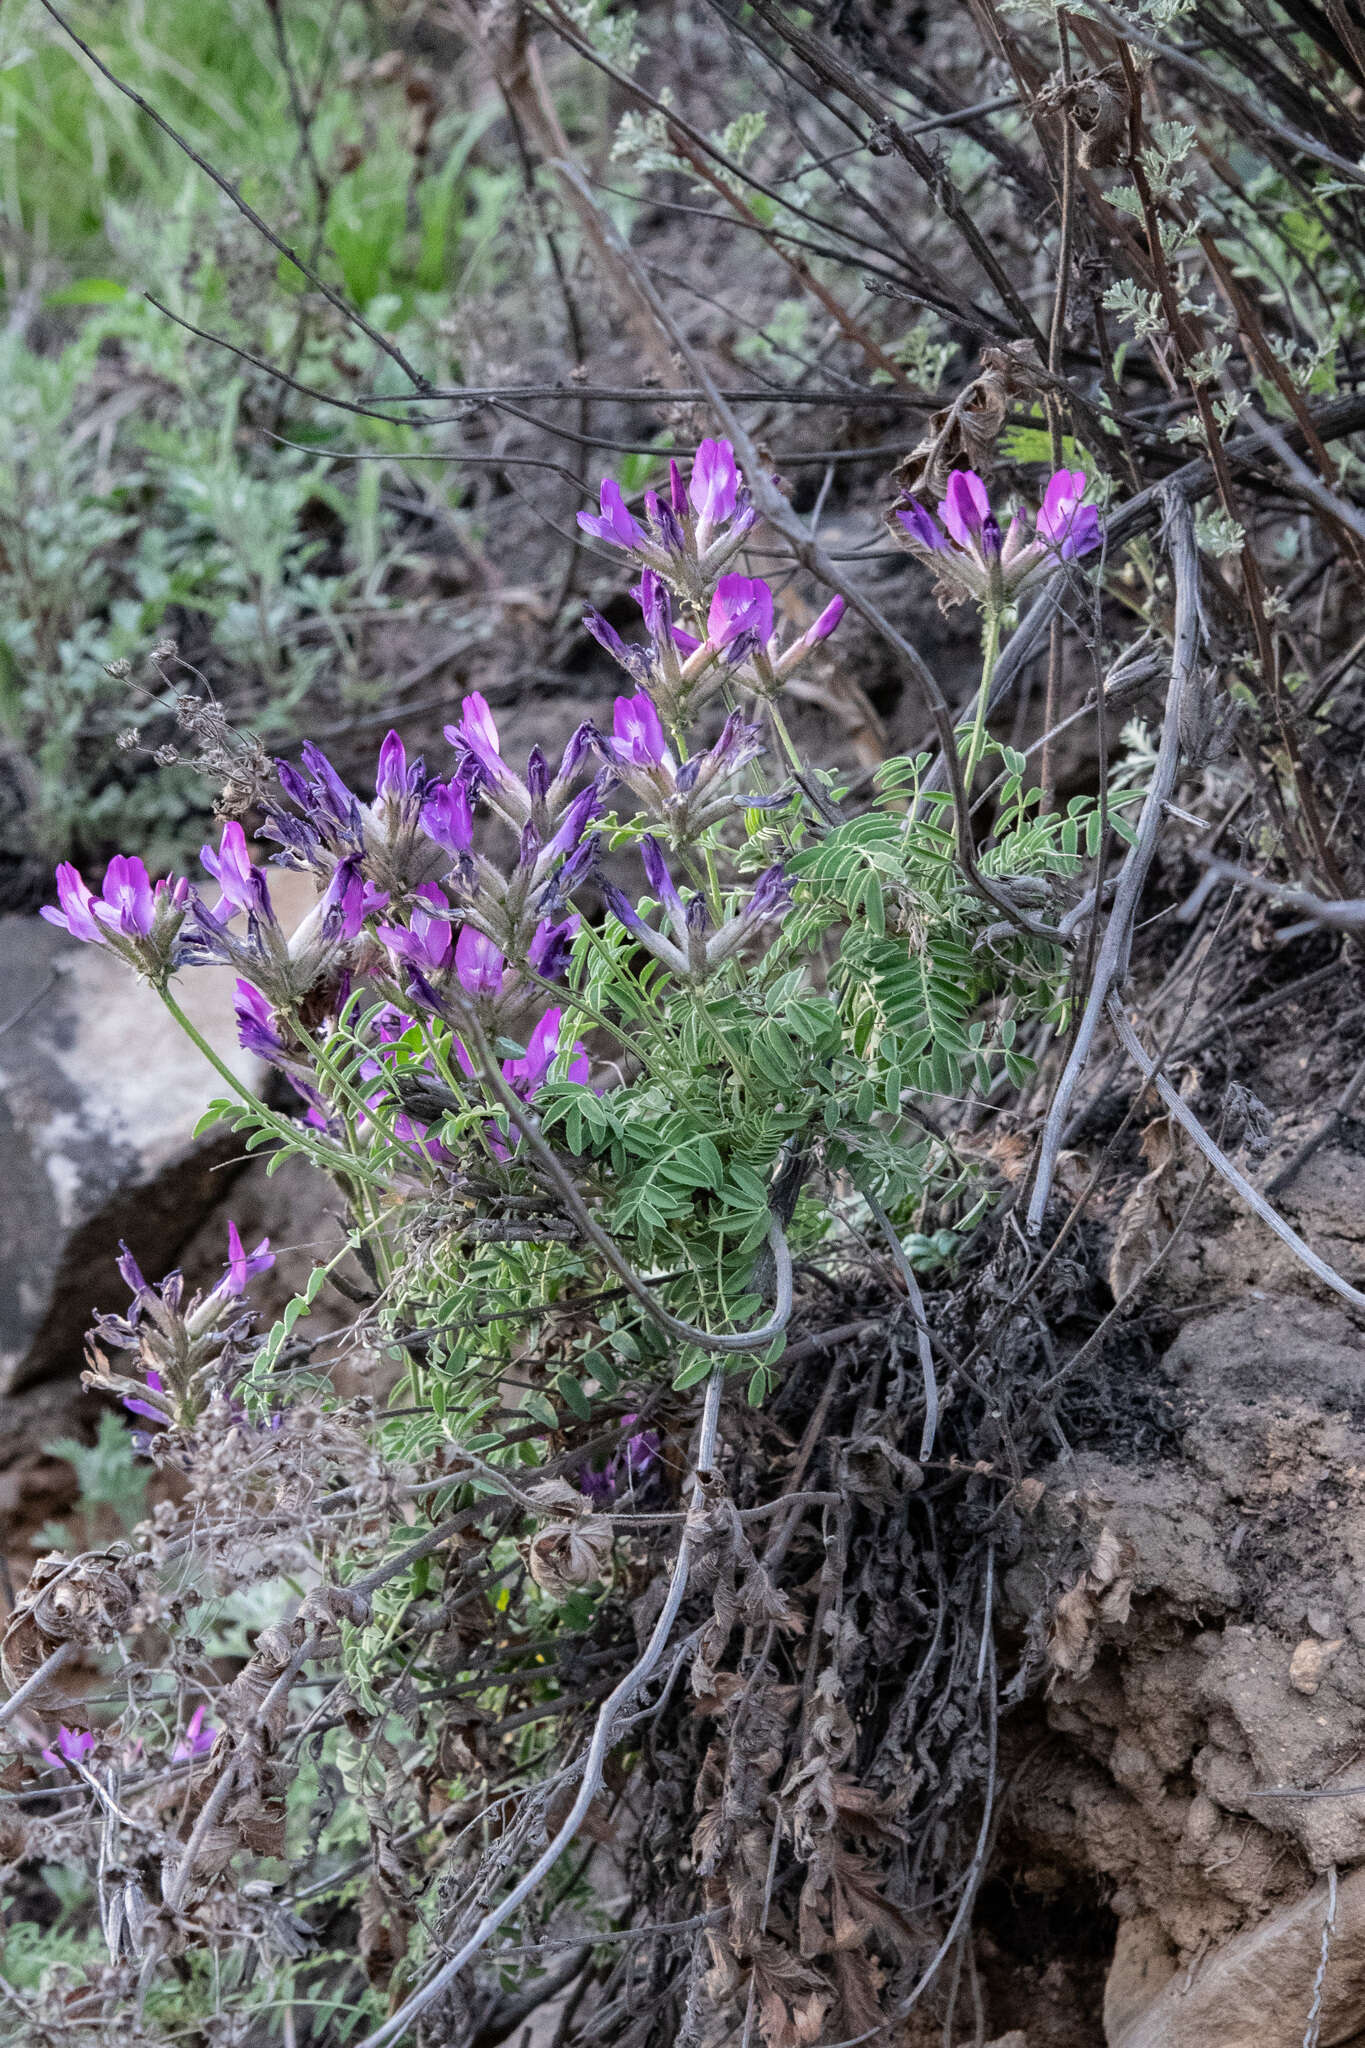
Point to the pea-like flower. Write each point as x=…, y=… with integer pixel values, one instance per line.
x=73, y=1746
x=685, y=798
x=694, y=951
x=635, y=1459
x=197, y=1740
x=688, y=535
x=429, y=937
x=140, y=922
x=286, y=969
x=970, y=555
x=185, y=1352
x=541, y=798
x=525, y=1073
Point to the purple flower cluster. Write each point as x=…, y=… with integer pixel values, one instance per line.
x=180, y=1347
x=974, y=559
x=138, y=920
x=740, y=642
x=686, y=798
x=689, y=534
x=684, y=547
x=74, y=1745
x=695, y=950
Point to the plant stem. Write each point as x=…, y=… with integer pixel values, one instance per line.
x=990, y=653
x=325, y=1156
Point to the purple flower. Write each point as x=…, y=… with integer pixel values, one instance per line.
x=826, y=623
x=566, y=878
x=741, y=615
x=428, y=939
x=394, y=780
x=966, y=508
x=77, y=912
x=715, y=482
x=605, y=634
x=634, y=1459
x=666, y=524
x=652, y=595
x=661, y=881
x=1063, y=521
x=638, y=1452
x=197, y=1740
x=132, y=1275
x=574, y=824
x=478, y=963
x=551, y=947
x=476, y=735
x=638, y=733
x=348, y=902
x=243, y=1265
x=127, y=905
x=615, y=523
x=155, y=1385
x=256, y=1032
x=525, y=1075
x=72, y=1745
x=447, y=817
x=921, y=527
x=243, y=884
x=330, y=801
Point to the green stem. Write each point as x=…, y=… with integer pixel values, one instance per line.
x=780, y=728
x=990, y=652
x=290, y=1134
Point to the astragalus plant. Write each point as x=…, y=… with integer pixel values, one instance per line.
x=616, y=1062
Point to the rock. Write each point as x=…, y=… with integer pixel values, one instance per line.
x=1308, y=1663
x=1142, y=1967
x=1256, y=1990
x=99, y=1092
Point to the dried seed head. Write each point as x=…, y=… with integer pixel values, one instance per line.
x=575, y=1547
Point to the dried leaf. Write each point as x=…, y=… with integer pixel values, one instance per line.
x=962, y=436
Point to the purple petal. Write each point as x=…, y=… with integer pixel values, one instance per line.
x=128, y=904
x=478, y=963
x=76, y=914
x=638, y=733
x=447, y=817
x=741, y=605
x=715, y=481
x=922, y=528
x=551, y=947
x=966, y=506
